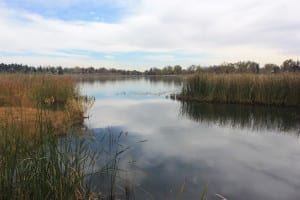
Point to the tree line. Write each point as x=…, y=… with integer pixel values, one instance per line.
x=238, y=67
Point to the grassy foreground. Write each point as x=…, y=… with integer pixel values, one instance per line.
x=34, y=162
x=279, y=89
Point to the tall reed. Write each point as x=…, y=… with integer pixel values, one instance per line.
x=37, y=164
x=45, y=166
x=28, y=94
x=279, y=89
x=29, y=90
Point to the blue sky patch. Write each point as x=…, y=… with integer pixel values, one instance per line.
x=79, y=11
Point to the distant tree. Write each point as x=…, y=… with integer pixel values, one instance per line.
x=247, y=67
x=60, y=70
x=229, y=68
x=271, y=68
x=290, y=65
x=177, y=69
x=191, y=69
x=170, y=70
x=90, y=70
x=241, y=67
x=252, y=67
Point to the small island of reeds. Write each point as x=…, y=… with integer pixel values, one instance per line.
x=266, y=89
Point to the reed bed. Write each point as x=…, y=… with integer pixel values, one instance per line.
x=279, y=89
x=45, y=166
x=36, y=163
x=22, y=97
x=35, y=90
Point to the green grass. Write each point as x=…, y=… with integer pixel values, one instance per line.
x=39, y=166
x=280, y=89
x=44, y=166
x=36, y=163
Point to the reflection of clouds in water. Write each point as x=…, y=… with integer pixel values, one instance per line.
x=140, y=88
x=233, y=161
x=139, y=116
x=236, y=155
x=224, y=165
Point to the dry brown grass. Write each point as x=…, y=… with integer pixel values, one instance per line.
x=28, y=90
x=25, y=100
x=26, y=119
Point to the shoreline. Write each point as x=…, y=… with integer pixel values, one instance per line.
x=182, y=98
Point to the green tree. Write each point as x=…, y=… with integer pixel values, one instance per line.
x=177, y=69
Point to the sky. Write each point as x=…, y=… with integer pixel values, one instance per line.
x=138, y=34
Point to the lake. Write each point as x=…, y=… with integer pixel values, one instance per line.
x=237, y=151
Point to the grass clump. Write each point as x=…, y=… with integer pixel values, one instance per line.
x=22, y=97
x=32, y=90
x=36, y=161
x=44, y=166
x=41, y=167
x=279, y=89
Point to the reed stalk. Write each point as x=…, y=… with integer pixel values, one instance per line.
x=279, y=89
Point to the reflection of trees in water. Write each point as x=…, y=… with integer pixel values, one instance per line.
x=244, y=116
x=104, y=79
x=169, y=80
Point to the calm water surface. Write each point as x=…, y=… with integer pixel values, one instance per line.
x=240, y=152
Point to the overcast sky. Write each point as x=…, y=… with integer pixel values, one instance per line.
x=144, y=33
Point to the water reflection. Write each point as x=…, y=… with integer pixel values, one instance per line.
x=244, y=116
x=241, y=152
x=238, y=166
x=171, y=80
x=140, y=88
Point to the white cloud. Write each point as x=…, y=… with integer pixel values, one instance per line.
x=67, y=61
x=265, y=31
